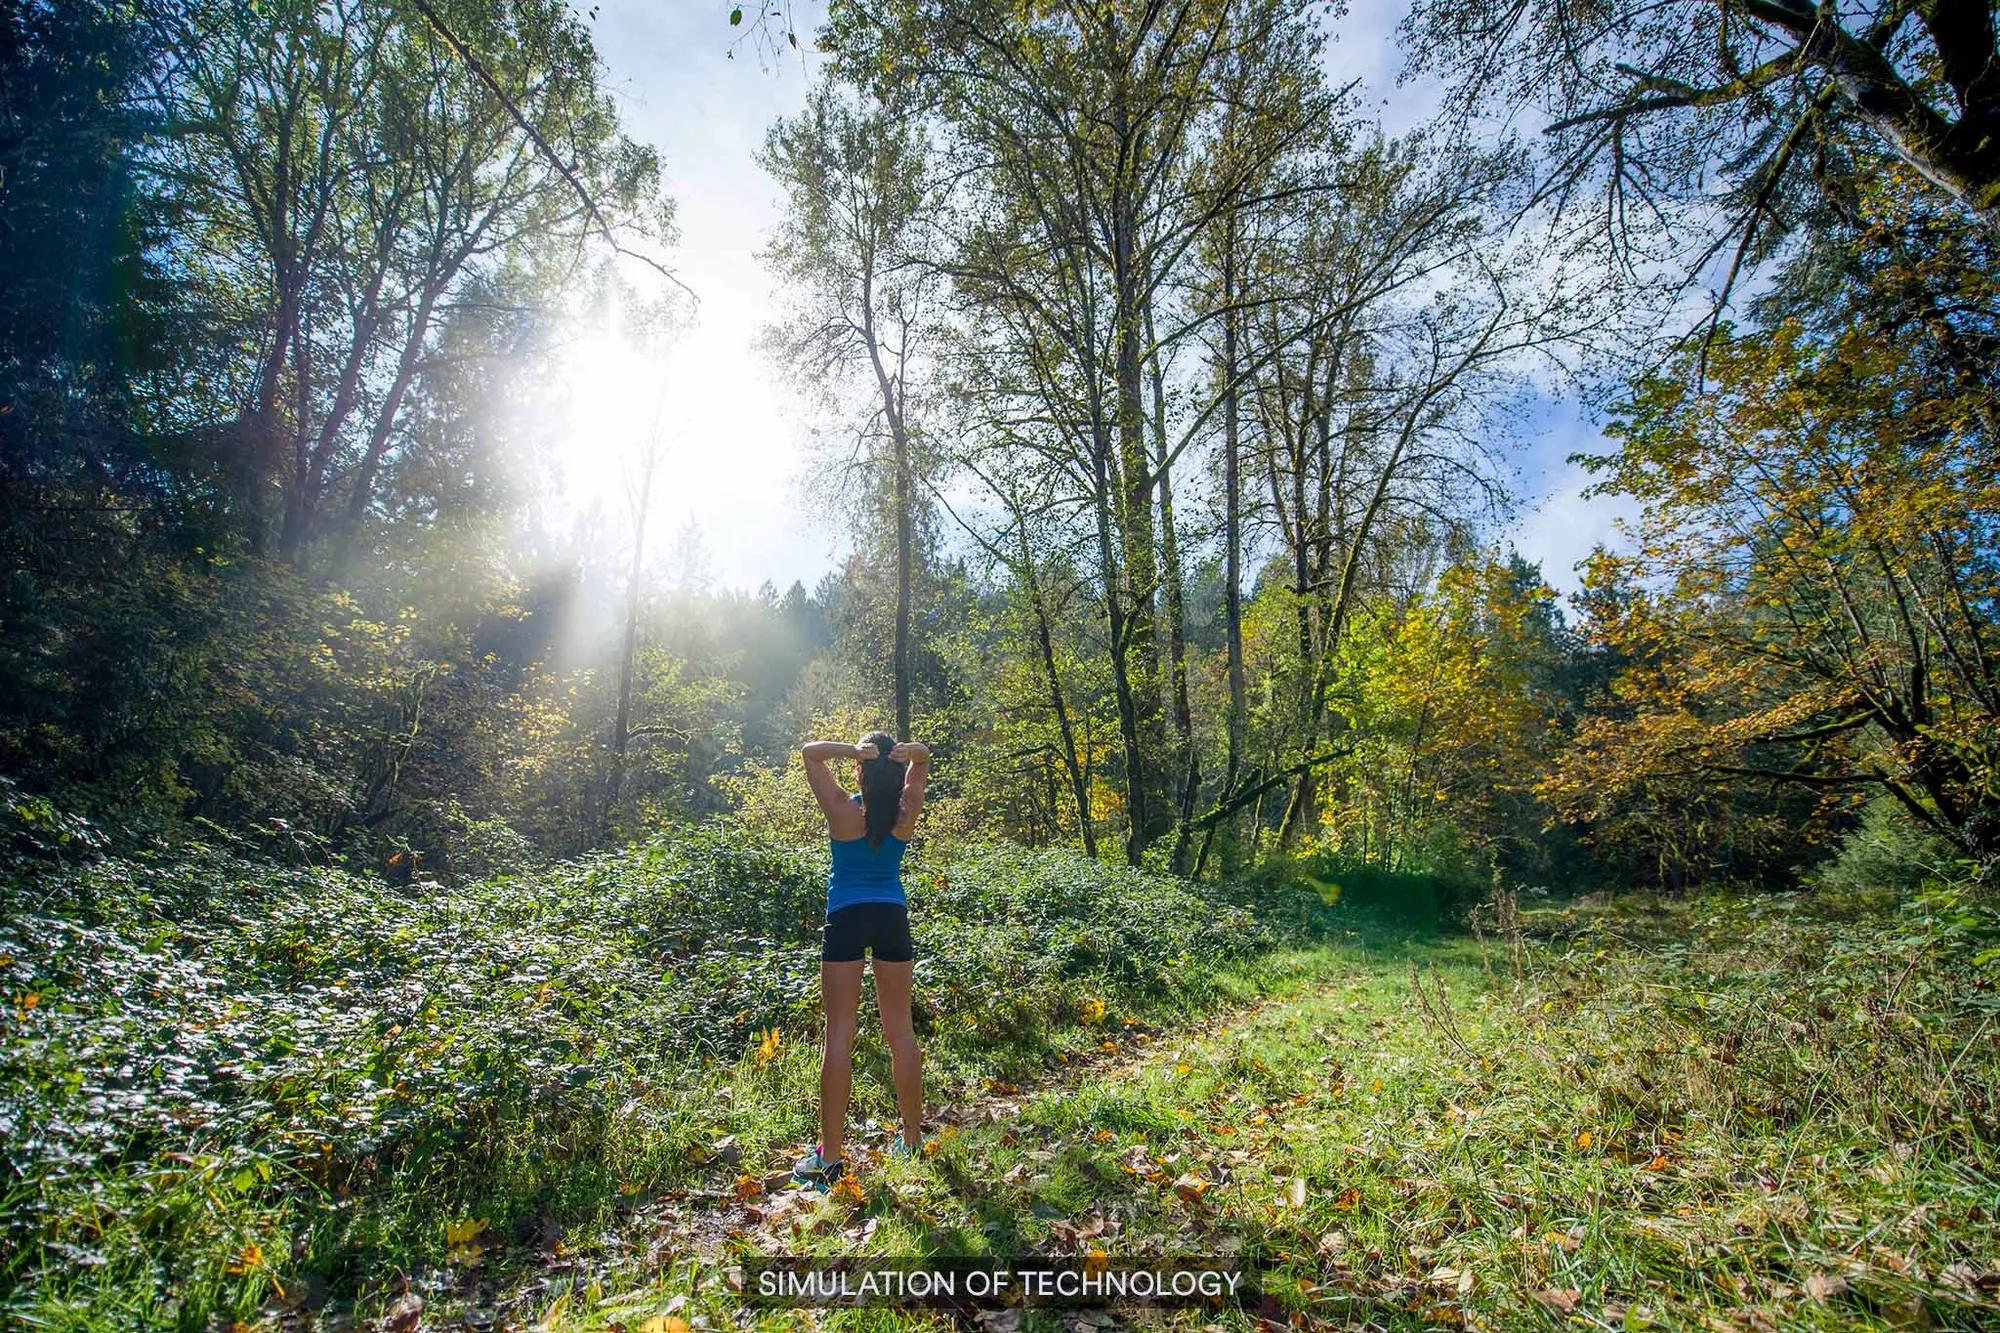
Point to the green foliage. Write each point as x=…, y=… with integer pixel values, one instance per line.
x=1040, y=921
x=1808, y=605
x=1428, y=899
x=1886, y=849
x=190, y=1023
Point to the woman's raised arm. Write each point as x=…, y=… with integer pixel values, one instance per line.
x=826, y=788
x=915, y=777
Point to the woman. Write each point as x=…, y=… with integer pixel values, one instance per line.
x=866, y=911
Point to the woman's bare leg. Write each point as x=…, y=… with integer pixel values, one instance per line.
x=840, y=995
x=906, y=1062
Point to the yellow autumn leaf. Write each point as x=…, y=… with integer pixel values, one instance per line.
x=848, y=1190
x=748, y=1186
x=664, y=1323
x=459, y=1233
x=247, y=1259
x=1583, y=1140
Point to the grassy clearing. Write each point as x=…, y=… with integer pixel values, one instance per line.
x=1715, y=1114
x=307, y=1101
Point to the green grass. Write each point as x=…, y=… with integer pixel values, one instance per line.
x=1712, y=1114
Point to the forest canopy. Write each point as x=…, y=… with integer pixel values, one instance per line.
x=1174, y=404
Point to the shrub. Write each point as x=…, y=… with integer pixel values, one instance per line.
x=1886, y=850
x=1424, y=900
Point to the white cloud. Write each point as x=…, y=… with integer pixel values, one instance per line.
x=1566, y=526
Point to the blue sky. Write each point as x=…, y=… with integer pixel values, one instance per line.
x=733, y=432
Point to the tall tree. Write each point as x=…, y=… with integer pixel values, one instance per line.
x=1813, y=595
x=348, y=170
x=1379, y=326
x=856, y=253
x=1087, y=123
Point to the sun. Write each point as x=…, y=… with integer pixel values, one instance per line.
x=725, y=441
x=617, y=394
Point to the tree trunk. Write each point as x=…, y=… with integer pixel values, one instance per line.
x=363, y=493
x=621, y=726
x=1119, y=626
x=899, y=439
x=1150, y=805
x=904, y=565
x=1305, y=792
x=1232, y=547
x=1045, y=640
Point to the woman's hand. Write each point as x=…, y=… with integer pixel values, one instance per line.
x=911, y=752
x=867, y=750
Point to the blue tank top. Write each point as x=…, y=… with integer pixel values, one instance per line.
x=864, y=874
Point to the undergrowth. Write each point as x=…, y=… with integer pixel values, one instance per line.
x=225, y=1082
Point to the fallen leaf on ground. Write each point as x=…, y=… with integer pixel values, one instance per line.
x=405, y=1315
x=458, y=1233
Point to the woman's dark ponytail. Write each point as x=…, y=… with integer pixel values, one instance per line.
x=881, y=788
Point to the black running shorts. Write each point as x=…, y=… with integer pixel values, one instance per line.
x=882, y=927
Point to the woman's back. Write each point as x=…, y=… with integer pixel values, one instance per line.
x=864, y=874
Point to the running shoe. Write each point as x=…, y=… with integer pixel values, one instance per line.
x=816, y=1171
x=901, y=1149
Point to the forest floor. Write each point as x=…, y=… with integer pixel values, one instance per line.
x=1716, y=1114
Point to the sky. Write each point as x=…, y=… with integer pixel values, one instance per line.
x=732, y=432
